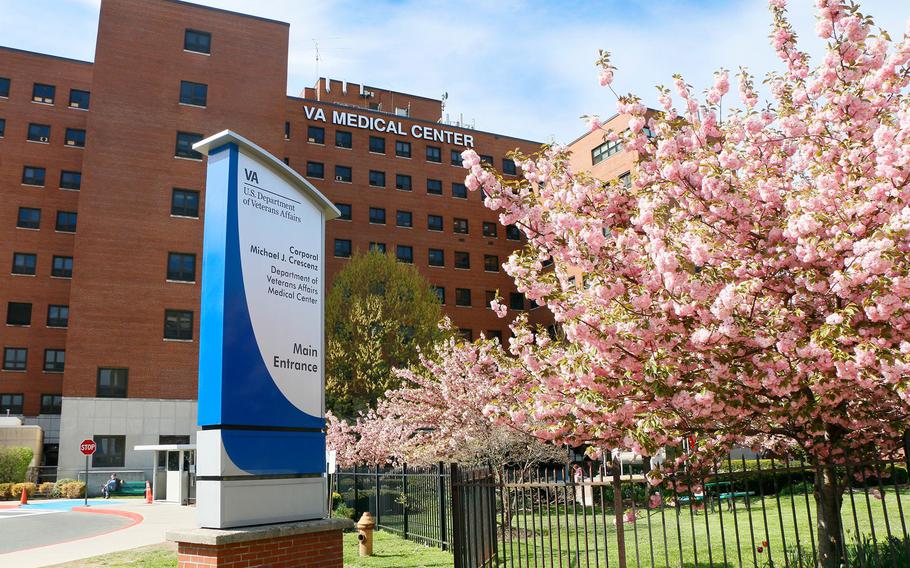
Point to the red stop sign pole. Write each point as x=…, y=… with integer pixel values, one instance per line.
x=88, y=448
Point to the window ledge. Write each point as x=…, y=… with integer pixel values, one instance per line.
x=315, y=143
x=340, y=219
x=57, y=326
x=179, y=281
x=74, y=146
x=172, y=340
x=77, y=108
x=197, y=52
x=458, y=268
x=195, y=106
x=28, y=228
x=32, y=185
x=46, y=372
x=460, y=306
x=435, y=266
x=18, y=325
x=68, y=189
x=403, y=157
x=29, y=141
x=344, y=257
x=342, y=181
x=182, y=217
x=57, y=277
x=19, y=274
x=14, y=370
x=342, y=147
x=400, y=227
x=187, y=159
x=377, y=153
x=34, y=102
x=64, y=232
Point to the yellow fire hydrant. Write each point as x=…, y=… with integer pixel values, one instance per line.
x=365, y=527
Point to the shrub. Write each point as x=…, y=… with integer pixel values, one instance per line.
x=47, y=488
x=14, y=464
x=72, y=490
x=30, y=489
x=343, y=512
x=6, y=490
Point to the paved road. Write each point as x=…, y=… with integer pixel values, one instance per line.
x=22, y=528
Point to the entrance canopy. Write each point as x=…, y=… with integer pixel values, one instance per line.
x=165, y=447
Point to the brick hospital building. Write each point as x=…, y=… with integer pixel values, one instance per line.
x=103, y=201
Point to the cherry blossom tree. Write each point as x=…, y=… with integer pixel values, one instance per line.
x=752, y=286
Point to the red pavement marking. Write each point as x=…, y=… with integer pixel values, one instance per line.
x=135, y=517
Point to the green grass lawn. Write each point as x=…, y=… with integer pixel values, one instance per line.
x=155, y=556
x=589, y=538
x=391, y=551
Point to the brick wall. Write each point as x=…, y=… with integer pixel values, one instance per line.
x=313, y=550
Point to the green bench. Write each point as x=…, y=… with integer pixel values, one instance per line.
x=129, y=488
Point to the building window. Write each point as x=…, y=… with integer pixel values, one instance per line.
x=489, y=295
x=377, y=144
x=51, y=403
x=455, y=157
x=287, y=131
x=402, y=111
x=491, y=263
x=66, y=221
x=404, y=253
x=185, y=203
x=197, y=42
x=315, y=134
x=404, y=219
x=39, y=133
x=489, y=229
x=516, y=301
x=33, y=176
x=184, y=147
x=377, y=215
x=111, y=450
x=44, y=93
x=11, y=403
x=343, y=173
x=378, y=247
x=486, y=159
x=605, y=150
x=494, y=334
x=58, y=315
x=377, y=178
x=4, y=87
x=194, y=94
x=403, y=182
x=437, y=257
x=24, y=263
x=29, y=218
x=462, y=260
x=434, y=187
x=2, y=127
x=343, y=139
x=178, y=324
x=402, y=149
x=286, y=160
x=440, y=292
x=434, y=222
x=315, y=170
x=75, y=137
x=54, y=360
x=466, y=333
x=15, y=358
x=62, y=267
x=513, y=233
x=112, y=383
x=625, y=180
x=343, y=248
x=460, y=226
x=79, y=99
x=181, y=266
x=71, y=180
x=345, y=209
x=508, y=167
x=463, y=297
x=434, y=154
x=18, y=313
x=459, y=190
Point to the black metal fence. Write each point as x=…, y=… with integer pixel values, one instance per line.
x=415, y=503
x=755, y=513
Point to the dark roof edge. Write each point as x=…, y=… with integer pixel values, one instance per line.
x=27, y=52
x=423, y=120
x=233, y=13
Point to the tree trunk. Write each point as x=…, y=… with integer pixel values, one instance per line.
x=828, y=499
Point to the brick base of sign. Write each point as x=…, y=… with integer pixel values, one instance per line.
x=305, y=544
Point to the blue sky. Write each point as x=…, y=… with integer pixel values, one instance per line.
x=509, y=66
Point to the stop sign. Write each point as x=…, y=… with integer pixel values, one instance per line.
x=87, y=447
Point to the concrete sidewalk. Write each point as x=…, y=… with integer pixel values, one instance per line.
x=156, y=519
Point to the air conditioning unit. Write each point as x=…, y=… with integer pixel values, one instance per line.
x=339, y=178
x=43, y=139
x=70, y=142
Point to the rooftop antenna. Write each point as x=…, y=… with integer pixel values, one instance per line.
x=442, y=104
x=316, y=47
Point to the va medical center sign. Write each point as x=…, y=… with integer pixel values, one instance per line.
x=261, y=448
x=380, y=124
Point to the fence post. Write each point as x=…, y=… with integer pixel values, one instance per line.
x=356, y=495
x=377, y=495
x=457, y=521
x=441, y=490
x=404, y=493
x=618, y=513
